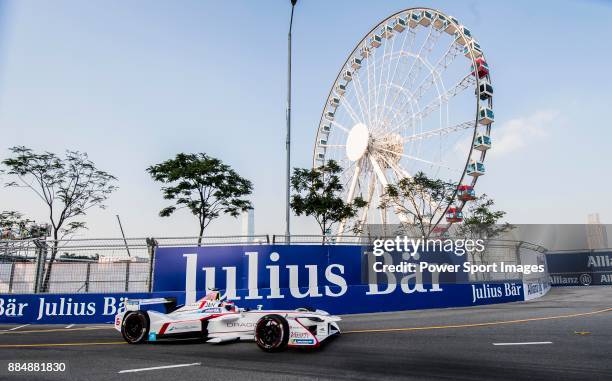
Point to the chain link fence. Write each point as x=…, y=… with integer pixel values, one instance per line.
x=100, y=265
x=91, y=265
x=17, y=266
x=126, y=265
x=511, y=253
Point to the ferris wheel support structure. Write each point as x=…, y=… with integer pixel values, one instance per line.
x=380, y=123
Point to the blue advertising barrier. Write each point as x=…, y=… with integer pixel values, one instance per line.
x=196, y=269
x=583, y=268
x=62, y=308
x=101, y=308
x=333, y=278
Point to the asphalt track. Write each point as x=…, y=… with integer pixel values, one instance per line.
x=569, y=332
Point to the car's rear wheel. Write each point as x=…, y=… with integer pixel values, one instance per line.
x=272, y=333
x=135, y=327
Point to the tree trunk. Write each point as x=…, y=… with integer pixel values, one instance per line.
x=200, y=236
x=323, y=232
x=47, y=277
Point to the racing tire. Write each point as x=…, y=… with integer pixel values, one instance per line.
x=135, y=327
x=272, y=333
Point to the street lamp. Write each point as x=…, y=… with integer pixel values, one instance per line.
x=288, y=141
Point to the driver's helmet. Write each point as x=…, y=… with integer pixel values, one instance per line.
x=212, y=295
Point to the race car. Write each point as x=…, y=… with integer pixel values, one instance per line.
x=217, y=320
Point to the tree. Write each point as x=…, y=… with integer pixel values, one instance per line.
x=13, y=225
x=68, y=187
x=482, y=222
x=419, y=199
x=318, y=195
x=203, y=185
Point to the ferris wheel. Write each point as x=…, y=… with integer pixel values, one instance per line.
x=413, y=96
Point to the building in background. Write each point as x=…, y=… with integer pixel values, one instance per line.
x=597, y=235
x=248, y=225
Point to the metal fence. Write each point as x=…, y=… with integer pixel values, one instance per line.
x=511, y=253
x=90, y=265
x=126, y=265
x=78, y=266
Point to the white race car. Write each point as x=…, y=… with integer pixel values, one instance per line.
x=218, y=321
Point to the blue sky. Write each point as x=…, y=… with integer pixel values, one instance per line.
x=133, y=83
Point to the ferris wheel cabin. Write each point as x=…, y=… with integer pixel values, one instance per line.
x=439, y=22
x=454, y=215
x=386, y=31
x=326, y=128
x=334, y=102
x=330, y=115
x=340, y=89
x=347, y=75
x=451, y=25
x=466, y=193
x=365, y=51
x=482, y=142
x=375, y=41
x=481, y=67
x=475, y=168
x=474, y=47
x=426, y=18
x=415, y=18
x=463, y=39
x=485, y=90
x=485, y=115
x=356, y=63
x=399, y=24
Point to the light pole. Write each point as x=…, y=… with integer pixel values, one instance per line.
x=288, y=141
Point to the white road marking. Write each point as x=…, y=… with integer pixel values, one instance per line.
x=15, y=328
x=526, y=343
x=159, y=367
x=70, y=326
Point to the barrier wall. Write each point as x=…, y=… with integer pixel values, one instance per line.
x=333, y=278
x=535, y=285
x=584, y=268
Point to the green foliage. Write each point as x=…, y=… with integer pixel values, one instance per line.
x=13, y=220
x=203, y=185
x=420, y=199
x=14, y=225
x=481, y=221
x=318, y=193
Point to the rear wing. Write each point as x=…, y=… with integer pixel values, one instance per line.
x=137, y=304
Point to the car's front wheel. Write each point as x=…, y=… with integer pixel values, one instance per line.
x=272, y=333
x=135, y=327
